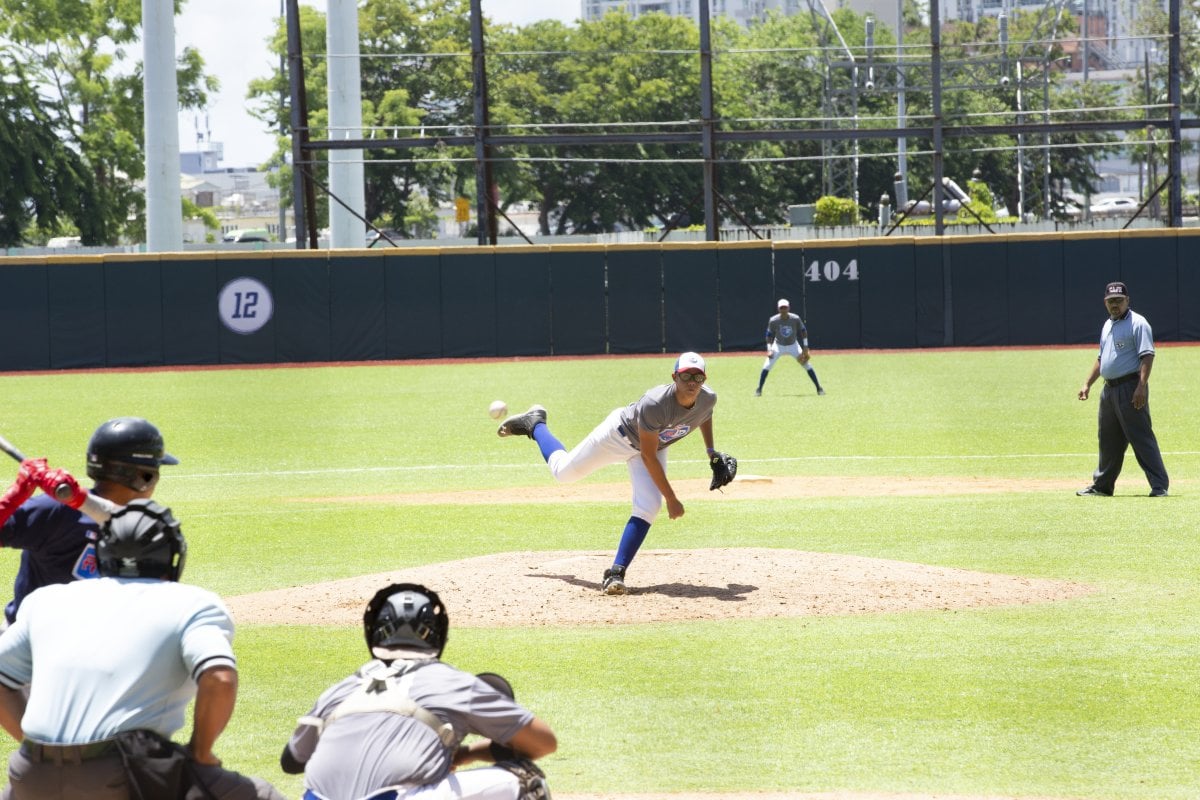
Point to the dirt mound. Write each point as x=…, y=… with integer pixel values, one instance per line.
x=563, y=588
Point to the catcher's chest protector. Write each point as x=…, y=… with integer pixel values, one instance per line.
x=386, y=688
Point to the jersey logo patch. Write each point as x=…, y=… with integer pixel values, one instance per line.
x=86, y=566
x=673, y=433
x=785, y=331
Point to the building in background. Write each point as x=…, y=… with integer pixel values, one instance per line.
x=240, y=197
x=743, y=11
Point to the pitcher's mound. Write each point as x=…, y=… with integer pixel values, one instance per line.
x=563, y=588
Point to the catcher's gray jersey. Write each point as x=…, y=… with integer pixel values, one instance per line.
x=660, y=412
x=784, y=330
x=360, y=753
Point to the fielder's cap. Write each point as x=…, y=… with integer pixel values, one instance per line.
x=1115, y=289
x=783, y=302
x=689, y=362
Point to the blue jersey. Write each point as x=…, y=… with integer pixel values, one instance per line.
x=58, y=545
x=1123, y=342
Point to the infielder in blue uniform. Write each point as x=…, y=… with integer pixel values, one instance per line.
x=58, y=542
x=394, y=729
x=1125, y=360
x=787, y=336
x=638, y=434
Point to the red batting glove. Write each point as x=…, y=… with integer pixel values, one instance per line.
x=62, y=486
x=23, y=487
x=31, y=471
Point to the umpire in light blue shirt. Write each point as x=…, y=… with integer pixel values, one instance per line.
x=1125, y=360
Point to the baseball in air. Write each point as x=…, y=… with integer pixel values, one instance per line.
x=498, y=409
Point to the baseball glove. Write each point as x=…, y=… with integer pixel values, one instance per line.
x=724, y=469
x=804, y=357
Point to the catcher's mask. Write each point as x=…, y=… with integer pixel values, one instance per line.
x=406, y=620
x=141, y=540
x=128, y=451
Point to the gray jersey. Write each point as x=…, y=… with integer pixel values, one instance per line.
x=784, y=330
x=360, y=753
x=659, y=412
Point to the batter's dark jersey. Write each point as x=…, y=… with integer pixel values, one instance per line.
x=58, y=545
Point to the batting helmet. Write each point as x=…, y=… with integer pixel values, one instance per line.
x=128, y=451
x=141, y=540
x=406, y=620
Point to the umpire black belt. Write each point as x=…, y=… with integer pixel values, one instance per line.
x=65, y=753
x=1133, y=376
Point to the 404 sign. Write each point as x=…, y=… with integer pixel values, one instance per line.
x=832, y=271
x=245, y=305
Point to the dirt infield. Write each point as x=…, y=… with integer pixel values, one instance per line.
x=745, y=487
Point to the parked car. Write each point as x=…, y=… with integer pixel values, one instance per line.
x=1114, y=207
x=248, y=235
x=62, y=242
x=1067, y=209
x=375, y=240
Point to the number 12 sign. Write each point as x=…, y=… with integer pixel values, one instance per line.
x=245, y=305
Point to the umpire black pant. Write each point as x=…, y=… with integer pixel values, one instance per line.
x=1122, y=426
x=34, y=776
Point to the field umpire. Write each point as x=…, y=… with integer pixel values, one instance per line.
x=1125, y=360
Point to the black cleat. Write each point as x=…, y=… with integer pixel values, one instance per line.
x=614, y=580
x=1092, y=491
x=523, y=424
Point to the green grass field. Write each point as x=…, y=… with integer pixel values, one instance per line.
x=1089, y=698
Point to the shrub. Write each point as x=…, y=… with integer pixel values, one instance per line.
x=835, y=211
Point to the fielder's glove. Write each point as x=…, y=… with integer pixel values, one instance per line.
x=724, y=469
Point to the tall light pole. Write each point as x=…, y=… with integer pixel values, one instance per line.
x=901, y=113
x=160, y=95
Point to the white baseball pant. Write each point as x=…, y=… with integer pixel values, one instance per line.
x=485, y=783
x=606, y=445
x=775, y=350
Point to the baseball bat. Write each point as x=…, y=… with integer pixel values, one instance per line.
x=98, y=508
x=7, y=447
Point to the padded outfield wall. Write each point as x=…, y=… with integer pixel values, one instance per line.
x=63, y=312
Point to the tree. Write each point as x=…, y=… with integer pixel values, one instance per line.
x=416, y=78
x=73, y=59
x=49, y=186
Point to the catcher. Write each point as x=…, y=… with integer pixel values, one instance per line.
x=638, y=434
x=394, y=729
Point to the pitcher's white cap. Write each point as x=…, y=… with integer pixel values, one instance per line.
x=689, y=361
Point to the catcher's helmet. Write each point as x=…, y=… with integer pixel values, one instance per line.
x=141, y=540
x=406, y=620
x=128, y=451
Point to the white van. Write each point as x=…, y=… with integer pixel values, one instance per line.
x=248, y=235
